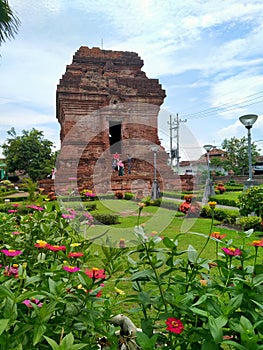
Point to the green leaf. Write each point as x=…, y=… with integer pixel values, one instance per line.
x=216, y=327
x=141, y=275
x=39, y=330
x=209, y=345
x=52, y=343
x=6, y=293
x=235, y=345
x=169, y=243
x=200, y=300
x=258, y=280
x=199, y=312
x=52, y=286
x=192, y=254
x=3, y=324
x=67, y=342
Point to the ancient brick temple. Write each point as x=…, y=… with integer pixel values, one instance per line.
x=106, y=104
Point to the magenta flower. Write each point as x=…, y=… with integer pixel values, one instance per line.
x=12, y=211
x=68, y=216
x=11, y=270
x=232, y=251
x=16, y=233
x=35, y=207
x=29, y=303
x=11, y=252
x=71, y=268
x=15, y=204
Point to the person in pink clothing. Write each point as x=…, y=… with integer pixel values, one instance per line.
x=120, y=168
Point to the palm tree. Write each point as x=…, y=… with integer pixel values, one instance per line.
x=9, y=23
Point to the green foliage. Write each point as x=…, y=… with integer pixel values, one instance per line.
x=251, y=201
x=9, y=23
x=223, y=215
x=250, y=222
x=106, y=219
x=236, y=157
x=224, y=200
x=31, y=187
x=30, y=153
x=128, y=195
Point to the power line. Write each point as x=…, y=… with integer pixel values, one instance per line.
x=229, y=106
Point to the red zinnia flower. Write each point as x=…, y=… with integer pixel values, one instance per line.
x=232, y=251
x=217, y=235
x=11, y=252
x=55, y=248
x=95, y=273
x=41, y=244
x=174, y=325
x=71, y=268
x=257, y=243
x=75, y=255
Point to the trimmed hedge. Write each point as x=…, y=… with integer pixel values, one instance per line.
x=249, y=222
x=223, y=201
x=226, y=216
x=106, y=219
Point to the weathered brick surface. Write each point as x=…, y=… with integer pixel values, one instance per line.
x=101, y=87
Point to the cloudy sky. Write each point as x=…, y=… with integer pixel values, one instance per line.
x=207, y=54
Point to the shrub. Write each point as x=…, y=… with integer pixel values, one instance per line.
x=250, y=222
x=119, y=194
x=224, y=201
x=223, y=215
x=106, y=219
x=128, y=195
x=91, y=206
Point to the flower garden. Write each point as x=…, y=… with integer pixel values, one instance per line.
x=60, y=289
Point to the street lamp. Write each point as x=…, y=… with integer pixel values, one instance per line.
x=209, y=186
x=248, y=120
x=155, y=185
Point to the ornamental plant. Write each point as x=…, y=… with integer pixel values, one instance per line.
x=51, y=294
x=55, y=294
x=191, y=302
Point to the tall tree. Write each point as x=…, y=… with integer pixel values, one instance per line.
x=236, y=158
x=9, y=23
x=30, y=153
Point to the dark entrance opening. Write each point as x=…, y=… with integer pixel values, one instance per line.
x=115, y=137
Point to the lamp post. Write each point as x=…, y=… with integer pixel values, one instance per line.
x=209, y=186
x=248, y=120
x=155, y=185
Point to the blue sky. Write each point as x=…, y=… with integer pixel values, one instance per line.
x=208, y=56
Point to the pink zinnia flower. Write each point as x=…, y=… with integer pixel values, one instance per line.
x=29, y=302
x=11, y=252
x=68, y=216
x=55, y=248
x=95, y=273
x=75, y=255
x=174, y=325
x=36, y=207
x=12, y=211
x=16, y=233
x=11, y=270
x=232, y=251
x=71, y=268
x=15, y=204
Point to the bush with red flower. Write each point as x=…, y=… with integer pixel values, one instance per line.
x=220, y=188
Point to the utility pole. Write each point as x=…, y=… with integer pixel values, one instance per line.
x=174, y=126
